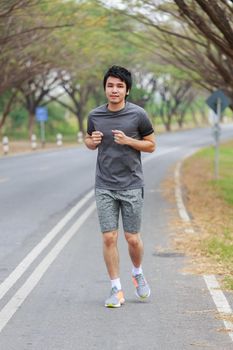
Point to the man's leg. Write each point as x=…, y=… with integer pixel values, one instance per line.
x=108, y=212
x=111, y=255
x=111, y=258
x=131, y=207
x=135, y=247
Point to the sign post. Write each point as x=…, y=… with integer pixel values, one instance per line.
x=42, y=132
x=218, y=101
x=42, y=117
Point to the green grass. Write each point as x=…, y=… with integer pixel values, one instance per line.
x=224, y=184
x=220, y=246
x=228, y=282
x=222, y=249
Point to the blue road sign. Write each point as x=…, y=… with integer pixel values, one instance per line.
x=212, y=101
x=41, y=114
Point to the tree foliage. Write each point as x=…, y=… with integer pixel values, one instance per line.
x=195, y=36
x=26, y=29
x=59, y=50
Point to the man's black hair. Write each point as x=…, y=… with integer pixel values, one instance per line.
x=121, y=73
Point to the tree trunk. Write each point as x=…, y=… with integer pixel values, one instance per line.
x=167, y=125
x=7, y=110
x=31, y=123
x=168, y=122
x=80, y=118
x=3, y=119
x=180, y=121
x=80, y=122
x=194, y=116
x=181, y=118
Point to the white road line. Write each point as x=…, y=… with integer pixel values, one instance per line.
x=180, y=204
x=210, y=280
x=17, y=300
x=183, y=213
x=220, y=301
x=34, y=253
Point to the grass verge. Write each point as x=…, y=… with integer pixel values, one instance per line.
x=210, y=204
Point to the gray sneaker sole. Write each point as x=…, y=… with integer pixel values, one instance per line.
x=113, y=306
x=142, y=297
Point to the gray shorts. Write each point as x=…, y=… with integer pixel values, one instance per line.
x=111, y=202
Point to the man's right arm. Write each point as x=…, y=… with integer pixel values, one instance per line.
x=92, y=141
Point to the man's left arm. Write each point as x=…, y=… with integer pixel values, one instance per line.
x=147, y=144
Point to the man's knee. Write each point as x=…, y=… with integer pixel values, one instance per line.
x=133, y=239
x=110, y=238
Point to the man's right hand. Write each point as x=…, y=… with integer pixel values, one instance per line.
x=96, y=137
x=92, y=141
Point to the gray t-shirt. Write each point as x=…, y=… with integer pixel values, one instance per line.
x=119, y=167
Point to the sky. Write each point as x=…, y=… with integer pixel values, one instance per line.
x=114, y=3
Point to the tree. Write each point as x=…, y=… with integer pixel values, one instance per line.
x=175, y=96
x=100, y=43
x=195, y=36
x=78, y=94
x=33, y=50
x=34, y=93
x=7, y=102
x=25, y=30
x=144, y=87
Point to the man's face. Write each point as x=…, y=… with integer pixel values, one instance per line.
x=115, y=90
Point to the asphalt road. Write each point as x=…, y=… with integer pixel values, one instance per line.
x=52, y=275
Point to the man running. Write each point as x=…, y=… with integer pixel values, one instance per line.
x=121, y=131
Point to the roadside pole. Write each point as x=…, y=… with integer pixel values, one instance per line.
x=42, y=117
x=42, y=133
x=218, y=101
x=217, y=132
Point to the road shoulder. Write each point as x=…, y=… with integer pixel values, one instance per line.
x=192, y=235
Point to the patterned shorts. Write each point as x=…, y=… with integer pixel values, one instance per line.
x=111, y=202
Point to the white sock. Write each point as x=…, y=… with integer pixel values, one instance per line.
x=136, y=270
x=116, y=283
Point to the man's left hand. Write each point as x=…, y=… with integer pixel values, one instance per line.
x=120, y=137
